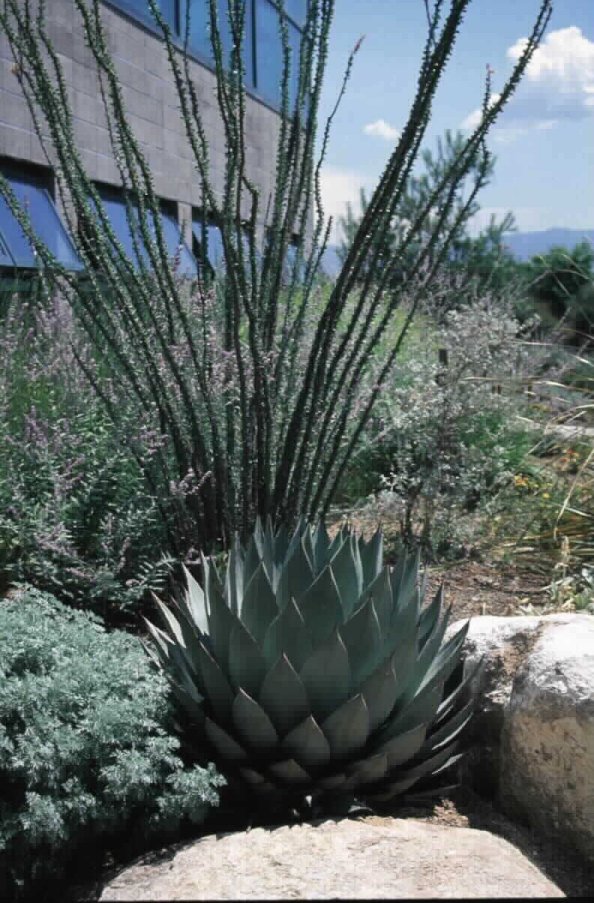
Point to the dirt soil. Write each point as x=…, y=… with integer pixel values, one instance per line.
x=486, y=588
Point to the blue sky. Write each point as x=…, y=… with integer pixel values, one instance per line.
x=543, y=141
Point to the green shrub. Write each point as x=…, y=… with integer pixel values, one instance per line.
x=87, y=760
x=76, y=516
x=446, y=438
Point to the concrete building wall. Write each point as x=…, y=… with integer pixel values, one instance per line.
x=152, y=103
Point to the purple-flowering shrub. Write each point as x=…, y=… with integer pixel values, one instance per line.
x=75, y=514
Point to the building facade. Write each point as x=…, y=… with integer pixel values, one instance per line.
x=152, y=106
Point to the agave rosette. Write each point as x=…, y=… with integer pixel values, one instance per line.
x=311, y=668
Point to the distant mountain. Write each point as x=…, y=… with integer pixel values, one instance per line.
x=523, y=245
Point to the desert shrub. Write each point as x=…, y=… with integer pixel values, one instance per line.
x=446, y=437
x=87, y=760
x=76, y=517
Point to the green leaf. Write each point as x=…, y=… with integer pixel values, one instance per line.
x=307, y=745
x=252, y=777
x=381, y=590
x=363, y=640
x=446, y=658
x=387, y=791
x=290, y=772
x=253, y=725
x=372, y=556
x=221, y=622
x=215, y=686
x=288, y=634
x=418, y=711
x=373, y=768
x=327, y=676
x=246, y=664
x=451, y=728
x=348, y=577
x=430, y=616
x=225, y=745
x=171, y=621
x=402, y=748
x=321, y=543
x=252, y=561
x=380, y=690
x=259, y=606
x=347, y=728
x=195, y=602
x=300, y=573
x=283, y=696
x=234, y=577
x=320, y=607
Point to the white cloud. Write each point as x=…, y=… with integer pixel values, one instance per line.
x=558, y=84
x=340, y=187
x=381, y=129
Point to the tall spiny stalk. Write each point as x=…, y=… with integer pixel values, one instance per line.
x=255, y=382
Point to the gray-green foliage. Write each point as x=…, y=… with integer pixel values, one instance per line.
x=447, y=433
x=312, y=670
x=260, y=399
x=76, y=518
x=87, y=754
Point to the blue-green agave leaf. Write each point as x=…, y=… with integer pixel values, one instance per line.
x=404, y=746
x=380, y=691
x=347, y=728
x=290, y=771
x=450, y=729
x=373, y=768
x=372, y=556
x=259, y=606
x=307, y=745
x=348, y=575
x=381, y=590
x=246, y=665
x=252, y=724
x=446, y=659
x=300, y=572
x=227, y=747
x=288, y=634
x=363, y=640
x=327, y=676
x=460, y=692
x=234, y=577
x=320, y=607
x=430, y=616
x=321, y=544
x=283, y=696
x=251, y=776
x=169, y=619
x=214, y=685
x=196, y=602
x=332, y=782
x=418, y=711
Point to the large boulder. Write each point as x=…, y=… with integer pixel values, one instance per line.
x=370, y=858
x=547, y=751
x=533, y=734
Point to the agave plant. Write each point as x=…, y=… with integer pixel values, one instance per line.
x=312, y=670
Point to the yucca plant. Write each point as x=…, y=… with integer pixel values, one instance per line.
x=311, y=670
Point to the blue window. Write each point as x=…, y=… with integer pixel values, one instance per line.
x=15, y=248
x=270, y=55
x=199, y=35
x=208, y=242
x=262, y=51
x=115, y=208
